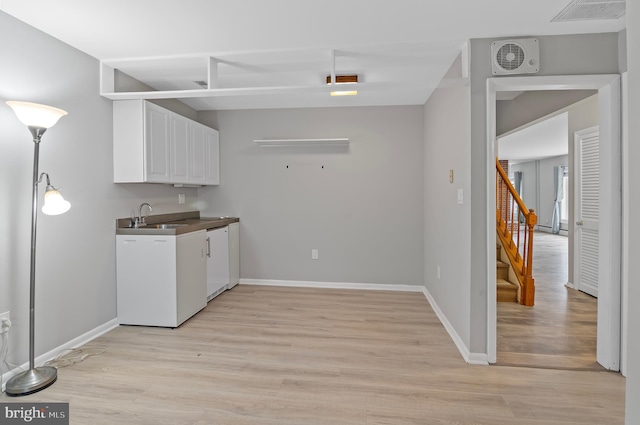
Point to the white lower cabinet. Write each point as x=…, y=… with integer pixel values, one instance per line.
x=223, y=264
x=218, y=262
x=161, y=280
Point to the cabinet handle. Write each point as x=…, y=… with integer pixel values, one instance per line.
x=208, y=247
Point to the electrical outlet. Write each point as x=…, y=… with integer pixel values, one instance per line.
x=314, y=254
x=181, y=199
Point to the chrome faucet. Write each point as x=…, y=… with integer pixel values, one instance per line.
x=140, y=220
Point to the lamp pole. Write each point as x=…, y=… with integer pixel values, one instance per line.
x=36, y=378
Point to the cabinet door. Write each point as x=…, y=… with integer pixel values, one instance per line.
x=180, y=149
x=234, y=255
x=191, y=263
x=146, y=280
x=198, y=153
x=218, y=262
x=212, y=164
x=156, y=144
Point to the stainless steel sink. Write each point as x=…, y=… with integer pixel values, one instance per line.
x=167, y=226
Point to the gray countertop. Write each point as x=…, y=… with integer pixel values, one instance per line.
x=188, y=221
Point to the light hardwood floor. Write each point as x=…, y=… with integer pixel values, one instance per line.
x=284, y=356
x=560, y=330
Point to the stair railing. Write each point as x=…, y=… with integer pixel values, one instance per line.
x=514, y=226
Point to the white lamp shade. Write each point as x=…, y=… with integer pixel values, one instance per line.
x=35, y=114
x=54, y=203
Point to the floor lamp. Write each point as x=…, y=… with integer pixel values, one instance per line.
x=38, y=118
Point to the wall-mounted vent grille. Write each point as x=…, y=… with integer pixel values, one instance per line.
x=587, y=10
x=520, y=56
x=510, y=56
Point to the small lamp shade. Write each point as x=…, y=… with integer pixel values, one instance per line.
x=35, y=114
x=54, y=203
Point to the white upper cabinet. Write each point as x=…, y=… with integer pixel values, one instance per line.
x=152, y=144
x=197, y=159
x=157, y=150
x=212, y=157
x=180, y=149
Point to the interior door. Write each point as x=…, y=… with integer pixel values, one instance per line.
x=587, y=206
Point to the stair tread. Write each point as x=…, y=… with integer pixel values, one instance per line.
x=501, y=264
x=505, y=283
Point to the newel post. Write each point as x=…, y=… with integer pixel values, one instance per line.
x=529, y=284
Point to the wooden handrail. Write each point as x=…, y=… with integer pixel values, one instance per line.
x=512, y=189
x=509, y=210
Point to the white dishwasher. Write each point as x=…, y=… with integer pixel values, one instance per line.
x=223, y=262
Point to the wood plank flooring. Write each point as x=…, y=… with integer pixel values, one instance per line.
x=268, y=355
x=560, y=330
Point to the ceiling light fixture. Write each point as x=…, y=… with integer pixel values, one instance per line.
x=343, y=79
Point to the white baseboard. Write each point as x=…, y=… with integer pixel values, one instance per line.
x=470, y=358
x=547, y=229
x=569, y=285
x=333, y=285
x=480, y=359
x=74, y=343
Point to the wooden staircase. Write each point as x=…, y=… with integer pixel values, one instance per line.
x=507, y=291
x=514, y=228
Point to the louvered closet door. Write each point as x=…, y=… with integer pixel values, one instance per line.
x=587, y=211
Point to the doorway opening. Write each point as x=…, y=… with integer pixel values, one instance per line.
x=560, y=331
x=608, y=306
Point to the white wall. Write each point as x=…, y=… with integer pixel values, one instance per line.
x=363, y=211
x=633, y=354
x=447, y=224
x=533, y=105
x=530, y=183
x=75, y=288
x=539, y=192
x=559, y=55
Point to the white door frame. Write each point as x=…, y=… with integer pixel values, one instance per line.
x=608, y=86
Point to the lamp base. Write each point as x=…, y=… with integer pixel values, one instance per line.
x=31, y=381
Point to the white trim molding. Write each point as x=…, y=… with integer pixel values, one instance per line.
x=470, y=358
x=333, y=285
x=74, y=343
x=609, y=301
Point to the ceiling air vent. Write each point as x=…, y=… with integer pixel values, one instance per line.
x=519, y=56
x=588, y=10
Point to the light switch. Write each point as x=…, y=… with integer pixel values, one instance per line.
x=460, y=197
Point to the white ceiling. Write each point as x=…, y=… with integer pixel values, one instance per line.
x=544, y=139
x=276, y=53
